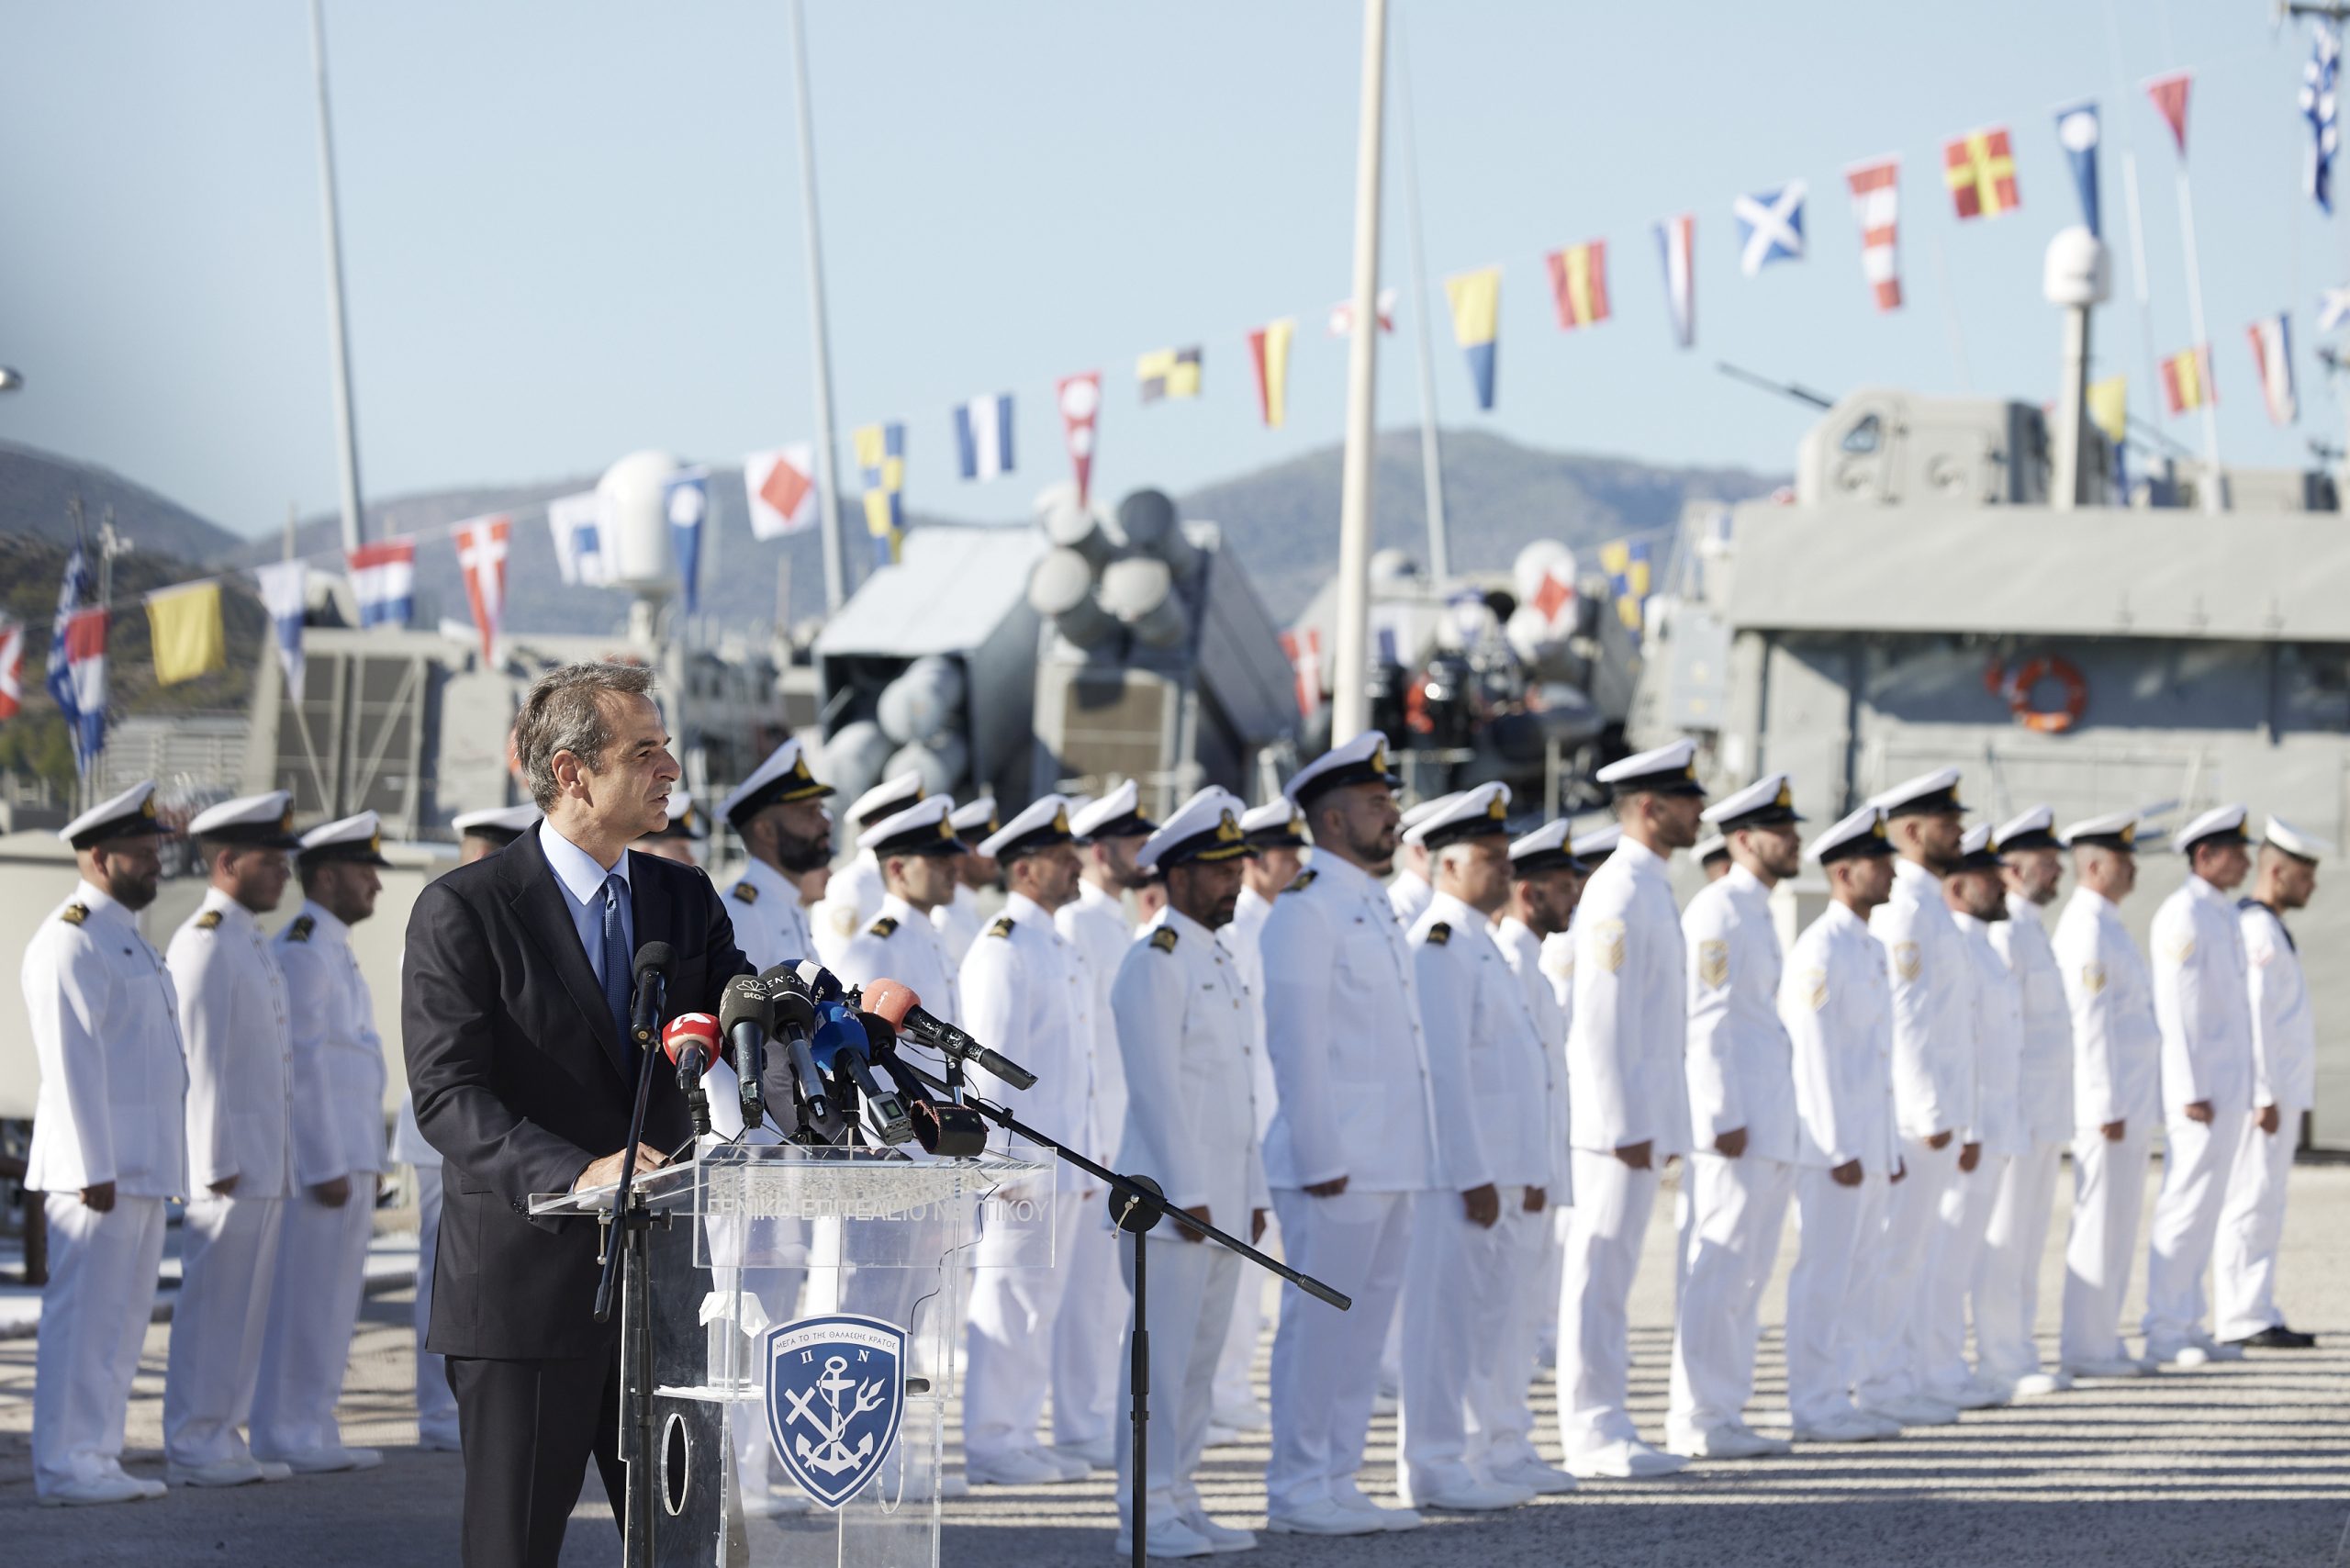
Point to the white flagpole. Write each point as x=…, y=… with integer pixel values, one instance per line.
x=1423, y=326
x=1351, y=704
x=2211, y=482
x=354, y=526
x=827, y=488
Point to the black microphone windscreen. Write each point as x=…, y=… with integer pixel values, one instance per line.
x=745, y=1001
x=654, y=958
x=794, y=1010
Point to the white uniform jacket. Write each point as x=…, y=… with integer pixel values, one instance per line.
x=2045, y=1075
x=1999, y=1125
x=234, y=1019
x=2284, y=1034
x=1408, y=895
x=1626, y=1041
x=1025, y=992
x=337, y=1101
x=900, y=943
x=770, y=923
x=1741, y=1073
x=1184, y=1026
x=958, y=922
x=107, y=1037
x=1491, y=1077
x=1243, y=939
x=1558, y=969
x=2117, y=1046
x=1342, y=1025
x=851, y=900
x=1097, y=926
x=2202, y=998
x=1837, y=1007
x=1525, y=954
x=1933, y=1041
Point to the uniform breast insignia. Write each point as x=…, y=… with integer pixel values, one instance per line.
x=301, y=928
x=747, y=891
x=1304, y=880
x=1164, y=938
x=1439, y=933
x=1909, y=961
x=75, y=913
x=1815, y=987
x=1605, y=942
x=2093, y=978
x=885, y=926
x=1002, y=926
x=1713, y=963
x=209, y=921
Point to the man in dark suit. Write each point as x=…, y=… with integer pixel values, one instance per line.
x=513, y=1009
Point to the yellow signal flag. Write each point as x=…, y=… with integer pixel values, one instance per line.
x=185, y=632
x=1269, y=352
x=2109, y=406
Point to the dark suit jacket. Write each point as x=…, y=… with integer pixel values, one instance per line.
x=520, y=1081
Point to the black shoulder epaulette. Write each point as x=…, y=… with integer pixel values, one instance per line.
x=1002, y=926
x=75, y=913
x=209, y=920
x=301, y=928
x=747, y=891
x=1439, y=933
x=1304, y=880
x=886, y=925
x=1164, y=938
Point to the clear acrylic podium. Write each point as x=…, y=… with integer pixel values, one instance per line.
x=844, y=1268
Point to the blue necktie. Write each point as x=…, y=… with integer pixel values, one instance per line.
x=616, y=960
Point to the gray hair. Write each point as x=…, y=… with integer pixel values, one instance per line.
x=564, y=712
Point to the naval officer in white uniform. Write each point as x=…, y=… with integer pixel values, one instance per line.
x=853, y=895
x=339, y=1154
x=1466, y=1431
x=2007, y=1276
x=1934, y=1086
x=1352, y=1140
x=1410, y=889
x=779, y=815
x=2284, y=1042
x=959, y=920
x=2117, y=1051
x=2203, y=1004
x=107, y=1146
x=1742, y=1127
x=1189, y=1036
x=1024, y=989
x=236, y=1021
x=1624, y=1060
x=1838, y=1010
x=915, y=850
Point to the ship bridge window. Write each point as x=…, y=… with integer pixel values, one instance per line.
x=1865, y=437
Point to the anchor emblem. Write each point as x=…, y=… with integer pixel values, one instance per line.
x=836, y=1398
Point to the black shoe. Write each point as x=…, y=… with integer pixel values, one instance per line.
x=2277, y=1337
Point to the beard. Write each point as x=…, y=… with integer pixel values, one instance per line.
x=800, y=856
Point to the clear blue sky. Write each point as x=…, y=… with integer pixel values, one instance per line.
x=572, y=230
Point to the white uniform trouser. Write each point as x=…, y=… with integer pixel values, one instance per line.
x=93, y=1317
x=2252, y=1226
x=2109, y=1188
x=436, y=1408
x=1017, y=1320
x=313, y=1311
x=1325, y=1362
x=1603, y=1236
x=1502, y=1408
x=1543, y=1302
x=1831, y=1292
x=1893, y=1359
x=1090, y=1335
x=2007, y=1271
x=1729, y=1240
x=1460, y=1290
x=2197, y=1159
x=1190, y=1289
x=229, y=1251
x=1235, y=1393
x=1963, y=1220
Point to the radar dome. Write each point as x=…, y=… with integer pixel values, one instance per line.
x=635, y=492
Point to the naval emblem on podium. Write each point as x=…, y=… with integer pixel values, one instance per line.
x=837, y=1392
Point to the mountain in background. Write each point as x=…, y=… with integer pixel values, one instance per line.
x=1280, y=520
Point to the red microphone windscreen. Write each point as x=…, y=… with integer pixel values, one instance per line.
x=692, y=1027
x=890, y=1000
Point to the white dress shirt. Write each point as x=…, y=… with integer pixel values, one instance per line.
x=1999, y=1125
x=233, y=1016
x=2117, y=1046
x=1627, y=1039
x=2202, y=998
x=1490, y=1080
x=1342, y=1025
x=1026, y=993
x=105, y=1032
x=1184, y=1026
x=1838, y=1008
x=2284, y=1033
x=1741, y=1066
x=1933, y=1044
x=2045, y=1075
x=339, y=1077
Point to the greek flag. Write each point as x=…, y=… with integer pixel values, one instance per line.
x=2318, y=108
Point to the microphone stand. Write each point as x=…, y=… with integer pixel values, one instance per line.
x=1137, y=1202
x=630, y=1220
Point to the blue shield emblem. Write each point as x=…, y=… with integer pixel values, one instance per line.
x=836, y=1391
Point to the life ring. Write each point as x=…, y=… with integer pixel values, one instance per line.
x=2055, y=720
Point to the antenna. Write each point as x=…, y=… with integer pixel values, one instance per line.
x=1794, y=389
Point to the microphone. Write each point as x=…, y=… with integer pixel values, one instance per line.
x=692, y=1042
x=653, y=962
x=793, y=1018
x=897, y=1006
x=745, y=1014
x=840, y=1049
